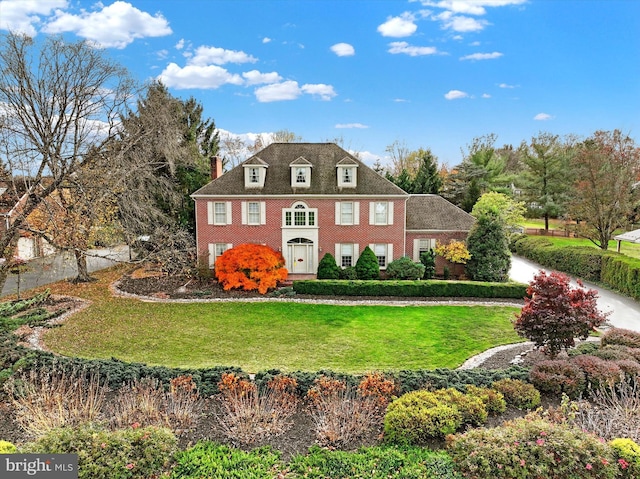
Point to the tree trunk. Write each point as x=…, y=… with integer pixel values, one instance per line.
x=546, y=222
x=9, y=252
x=83, y=272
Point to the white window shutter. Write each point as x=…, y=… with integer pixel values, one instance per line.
x=416, y=250
x=356, y=212
x=372, y=213
x=229, y=220
x=389, y=253
x=356, y=253
x=338, y=255
x=210, y=212
x=390, y=205
x=244, y=212
x=338, y=213
x=212, y=255
x=263, y=212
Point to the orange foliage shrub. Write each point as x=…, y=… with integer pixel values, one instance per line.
x=250, y=266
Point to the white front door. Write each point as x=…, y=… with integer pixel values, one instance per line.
x=300, y=257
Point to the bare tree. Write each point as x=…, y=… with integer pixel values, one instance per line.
x=60, y=104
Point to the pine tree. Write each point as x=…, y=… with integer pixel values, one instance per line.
x=327, y=268
x=489, y=248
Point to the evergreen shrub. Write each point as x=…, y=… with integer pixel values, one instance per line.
x=532, y=448
x=405, y=268
x=367, y=266
x=133, y=453
x=327, y=268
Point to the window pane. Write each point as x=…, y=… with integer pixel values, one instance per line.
x=300, y=218
x=253, y=209
x=312, y=218
x=346, y=213
x=287, y=218
x=346, y=255
x=380, y=251
x=301, y=176
x=220, y=210
x=220, y=248
x=381, y=213
x=253, y=175
x=346, y=175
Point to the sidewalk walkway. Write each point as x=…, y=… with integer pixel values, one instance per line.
x=61, y=266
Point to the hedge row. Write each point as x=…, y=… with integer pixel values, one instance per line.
x=429, y=288
x=617, y=271
x=116, y=373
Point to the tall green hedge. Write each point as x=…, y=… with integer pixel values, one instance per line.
x=402, y=288
x=612, y=269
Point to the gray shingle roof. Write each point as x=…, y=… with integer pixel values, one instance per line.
x=433, y=212
x=323, y=157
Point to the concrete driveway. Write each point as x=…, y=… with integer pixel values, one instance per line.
x=61, y=266
x=624, y=311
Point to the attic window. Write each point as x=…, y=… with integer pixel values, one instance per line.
x=347, y=172
x=255, y=174
x=300, y=173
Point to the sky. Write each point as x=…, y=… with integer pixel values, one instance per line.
x=424, y=73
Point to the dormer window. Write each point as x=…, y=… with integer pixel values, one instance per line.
x=255, y=172
x=347, y=172
x=300, y=173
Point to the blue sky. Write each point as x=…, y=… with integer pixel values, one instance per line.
x=427, y=73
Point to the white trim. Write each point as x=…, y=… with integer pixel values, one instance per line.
x=229, y=209
x=390, y=205
x=244, y=212
x=338, y=213
x=263, y=212
x=356, y=212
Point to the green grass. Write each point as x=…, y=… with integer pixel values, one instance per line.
x=287, y=336
x=626, y=248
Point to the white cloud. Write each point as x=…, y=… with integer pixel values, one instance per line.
x=402, y=26
x=482, y=56
x=162, y=54
x=207, y=77
x=21, y=16
x=325, y=92
x=455, y=95
x=506, y=85
x=470, y=7
x=459, y=23
x=266, y=40
x=205, y=55
x=254, y=77
x=366, y=157
x=351, y=125
x=180, y=44
x=400, y=100
x=288, y=90
x=486, y=95
x=116, y=25
x=343, y=49
x=542, y=117
x=411, y=50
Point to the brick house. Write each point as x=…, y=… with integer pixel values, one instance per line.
x=307, y=199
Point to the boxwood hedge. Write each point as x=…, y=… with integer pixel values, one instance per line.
x=403, y=288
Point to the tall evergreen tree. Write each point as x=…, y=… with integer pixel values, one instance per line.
x=489, y=248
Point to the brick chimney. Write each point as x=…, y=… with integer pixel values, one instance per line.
x=216, y=167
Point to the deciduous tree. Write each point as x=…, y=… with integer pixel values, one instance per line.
x=61, y=104
x=555, y=313
x=606, y=168
x=507, y=210
x=249, y=267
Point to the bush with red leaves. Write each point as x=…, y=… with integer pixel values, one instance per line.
x=555, y=313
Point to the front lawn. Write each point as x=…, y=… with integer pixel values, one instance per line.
x=282, y=335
